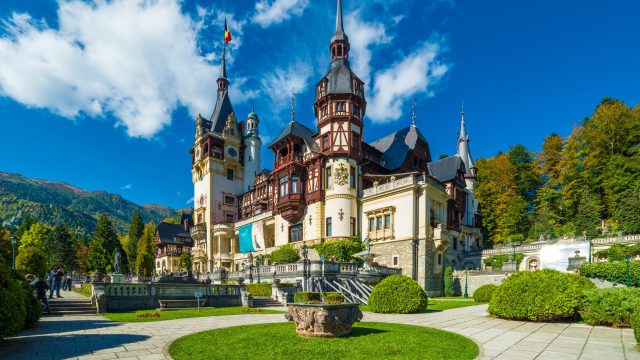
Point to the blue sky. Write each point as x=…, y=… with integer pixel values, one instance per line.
x=103, y=94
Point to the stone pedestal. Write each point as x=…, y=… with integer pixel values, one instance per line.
x=324, y=320
x=117, y=278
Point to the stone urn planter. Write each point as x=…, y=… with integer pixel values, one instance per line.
x=323, y=320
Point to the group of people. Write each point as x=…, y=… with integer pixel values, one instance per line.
x=55, y=281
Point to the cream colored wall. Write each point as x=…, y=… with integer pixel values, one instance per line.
x=403, y=216
x=340, y=199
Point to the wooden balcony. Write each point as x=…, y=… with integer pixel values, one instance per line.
x=291, y=206
x=291, y=158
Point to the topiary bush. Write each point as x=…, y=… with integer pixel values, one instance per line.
x=610, y=307
x=397, y=294
x=303, y=297
x=543, y=295
x=284, y=254
x=262, y=289
x=635, y=324
x=449, y=289
x=614, y=271
x=484, y=293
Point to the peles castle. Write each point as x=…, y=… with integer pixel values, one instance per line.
x=327, y=184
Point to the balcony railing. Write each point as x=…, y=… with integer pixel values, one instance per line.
x=288, y=159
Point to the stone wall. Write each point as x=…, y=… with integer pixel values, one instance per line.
x=477, y=279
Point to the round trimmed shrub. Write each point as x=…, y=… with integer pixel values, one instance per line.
x=13, y=311
x=542, y=295
x=610, y=307
x=398, y=294
x=484, y=293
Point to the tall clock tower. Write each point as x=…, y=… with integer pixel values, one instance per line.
x=339, y=108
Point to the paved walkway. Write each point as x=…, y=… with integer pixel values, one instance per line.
x=94, y=337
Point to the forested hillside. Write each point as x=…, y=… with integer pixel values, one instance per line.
x=55, y=202
x=573, y=186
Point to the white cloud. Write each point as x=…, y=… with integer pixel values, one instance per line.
x=127, y=187
x=121, y=57
x=190, y=201
x=279, y=84
x=417, y=73
x=278, y=11
x=363, y=36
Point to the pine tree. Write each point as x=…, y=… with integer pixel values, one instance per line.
x=146, y=250
x=61, y=247
x=587, y=219
x=449, y=289
x=135, y=232
x=102, y=248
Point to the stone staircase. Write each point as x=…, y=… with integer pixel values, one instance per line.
x=265, y=301
x=71, y=305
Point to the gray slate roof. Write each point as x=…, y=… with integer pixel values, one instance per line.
x=445, y=169
x=296, y=129
x=340, y=77
x=221, y=112
x=168, y=232
x=395, y=146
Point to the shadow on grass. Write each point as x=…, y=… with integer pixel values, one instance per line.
x=364, y=331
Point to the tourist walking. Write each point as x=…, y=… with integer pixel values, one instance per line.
x=52, y=281
x=40, y=287
x=69, y=283
x=58, y=276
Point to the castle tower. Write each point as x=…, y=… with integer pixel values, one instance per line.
x=465, y=154
x=252, y=143
x=340, y=108
x=217, y=179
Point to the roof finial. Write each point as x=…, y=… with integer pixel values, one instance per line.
x=339, y=26
x=223, y=67
x=413, y=111
x=462, y=109
x=252, y=106
x=293, y=105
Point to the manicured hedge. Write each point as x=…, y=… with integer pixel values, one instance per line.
x=342, y=250
x=543, y=295
x=262, y=289
x=19, y=309
x=484, y=293
x=635, y=323
x=284, y=254
x=449, y=289
x=496, y=261
x=398, y=294
x=303, y=297
x=333, y=297
x=610, y=307
x=614, y=271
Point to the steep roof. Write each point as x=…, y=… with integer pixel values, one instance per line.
x=221, y=112
x=340, y=77
x=168, y=232
x=445, y=169
x=395, y=146
x=296, y=129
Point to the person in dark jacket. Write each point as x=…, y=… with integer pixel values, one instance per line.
x=59, y=276
x=40, y=287
x=52, y=281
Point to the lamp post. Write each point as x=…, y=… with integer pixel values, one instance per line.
x=628, y=259
x=305, y=253
x=250, y=267
x=258, y=263
x=466, y=281
x=13, y=250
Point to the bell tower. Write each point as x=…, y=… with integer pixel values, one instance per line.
x=252, y=143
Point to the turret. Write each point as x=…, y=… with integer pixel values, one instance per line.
x=465, y=154
x=252, y=143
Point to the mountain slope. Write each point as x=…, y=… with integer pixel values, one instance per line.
x=52, y=202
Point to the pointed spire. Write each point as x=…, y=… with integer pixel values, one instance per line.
x=463, y=130
x=413, y=111
x=223, y=83
x=339, y=27
x=293, y=105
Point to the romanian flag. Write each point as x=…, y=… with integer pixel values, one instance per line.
x=227, y=33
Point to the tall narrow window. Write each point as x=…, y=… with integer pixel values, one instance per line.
x=353, y=226
x=294, y=184
x=329, y=178
x=387, y=221
x=284, y=186
x=352, y=177
x=328, y=230
x=230, y=174
x=372, y=226
x=378, y=222
x=325, y=142
x=295, y=233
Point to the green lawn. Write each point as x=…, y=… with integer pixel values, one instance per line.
x=441, y=303
x=82, y=292
x=280, y=341
x=171, y=314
